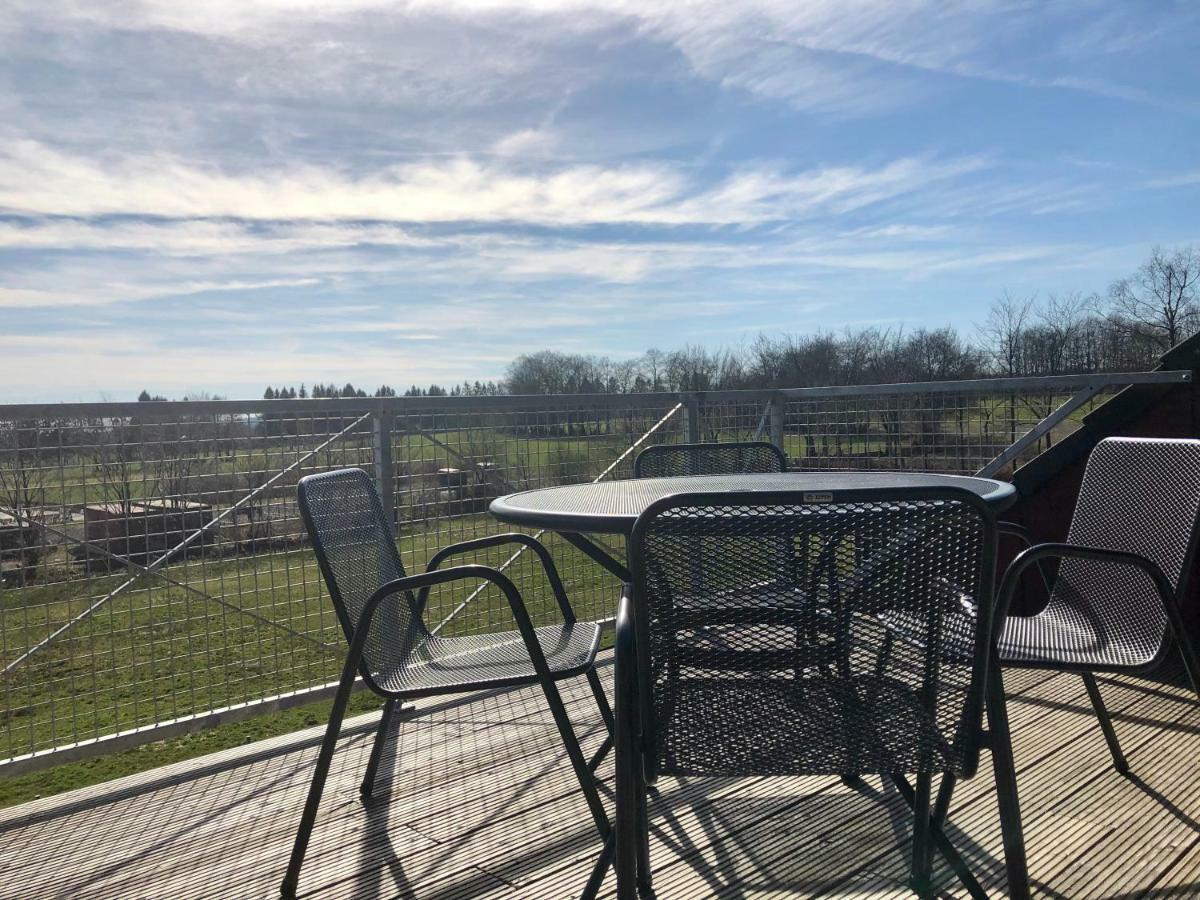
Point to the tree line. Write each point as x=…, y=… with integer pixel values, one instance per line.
x=1124, y=329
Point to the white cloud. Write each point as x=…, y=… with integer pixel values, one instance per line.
x=841, y=56
x=1181, y=179
x=526, y=143
x=199, y=237
x=38, y=180
x=521, y=174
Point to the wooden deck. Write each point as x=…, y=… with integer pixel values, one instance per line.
x=478, y=800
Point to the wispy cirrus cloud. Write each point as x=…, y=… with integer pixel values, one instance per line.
x=494, y=176
x=841, y=56
x=36, y=179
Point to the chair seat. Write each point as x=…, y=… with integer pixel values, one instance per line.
x=500, y=659
x=1062, y=635
x=811, y=726
x=1058, y=636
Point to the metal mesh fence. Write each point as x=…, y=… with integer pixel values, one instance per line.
x=232, y=612
x=957, y=433
x=896, y=427
x=153, y=565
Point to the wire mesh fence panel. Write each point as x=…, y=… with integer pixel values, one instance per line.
x=956, y=433
x=451, y=462
x=744, y=418
x=154, y=567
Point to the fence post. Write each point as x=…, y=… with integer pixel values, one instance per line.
x=383, y=421
x=690, y=418
x=777, y=404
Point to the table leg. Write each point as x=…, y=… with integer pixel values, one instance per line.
x=600, y=555
x=595, y=552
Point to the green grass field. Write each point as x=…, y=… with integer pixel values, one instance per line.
x=160, y=651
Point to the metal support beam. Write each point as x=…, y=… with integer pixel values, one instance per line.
x=1040, y=430
x=689, y=423
x=383, y=422
x=777, y=411
x=1050, y=384
x=599, y=554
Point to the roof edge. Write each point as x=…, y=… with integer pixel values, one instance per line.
x=1113, y=414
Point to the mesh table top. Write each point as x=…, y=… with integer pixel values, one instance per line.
x=611, y=507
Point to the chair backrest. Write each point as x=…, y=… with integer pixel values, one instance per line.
x=356, y=550
x=1139, y=495
x=722, y=458
x=763, y=673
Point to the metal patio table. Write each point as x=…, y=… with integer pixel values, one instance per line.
x=612, y=507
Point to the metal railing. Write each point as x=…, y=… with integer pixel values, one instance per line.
x=155, y=576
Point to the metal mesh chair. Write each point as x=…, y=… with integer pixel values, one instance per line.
x=667, y=460
x=775, y=670
x=1114, y=604
x=380, y=610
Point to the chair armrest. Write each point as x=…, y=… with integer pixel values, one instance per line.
x=426, y=580
x=496, y=540
x=630, y=690
x=1025, y=536
x=1015, y=530
x=627, y=743
x=625, y=644
x=1036, y=553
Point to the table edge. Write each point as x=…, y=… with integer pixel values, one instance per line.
x=611, y=523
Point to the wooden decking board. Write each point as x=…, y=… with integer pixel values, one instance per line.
x=275, y=810
x=1048, y=702
x=1182, y=877
x=794, y=850
x=690, y=801
x=1075, y=771
x=679, y=876
x=345, y=822
x=692, y=845
x=898, y=853
x=1157, y=815
x=480, y=801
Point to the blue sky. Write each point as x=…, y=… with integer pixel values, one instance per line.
x=220, y=194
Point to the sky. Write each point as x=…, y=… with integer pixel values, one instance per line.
x=217, y=195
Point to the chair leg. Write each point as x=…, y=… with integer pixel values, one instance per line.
x=920, y=880
x=1000, y=742
x=644, y=879
x=628, y=763
x=606, y=712
x=937, y=836
x=324, y=758
x=586, y=780
x=381, y=736
x=942, y=807
x=1110, y=734
x=625, y=825
x=631, y=827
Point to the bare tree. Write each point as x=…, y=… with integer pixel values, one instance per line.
x=1003, y=333
x=655, y=361
x=115, y=464
x=1162, y=299
x=22, y=495
x=1060, y=321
